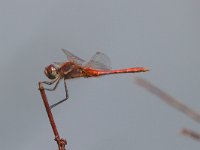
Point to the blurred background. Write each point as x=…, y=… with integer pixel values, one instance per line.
x=110, y=112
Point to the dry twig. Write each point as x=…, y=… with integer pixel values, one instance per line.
x=174, y=103
x=61, y=142
x=191, y=133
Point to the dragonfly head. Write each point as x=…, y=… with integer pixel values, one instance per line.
x=51, y=72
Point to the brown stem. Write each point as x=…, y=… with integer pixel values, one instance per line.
x=191, y=133
x=61, y=142
x=174, y=103
x=169, y=99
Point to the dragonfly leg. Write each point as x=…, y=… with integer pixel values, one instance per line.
x=66, y=92
x=52, y=89
x=50, y=82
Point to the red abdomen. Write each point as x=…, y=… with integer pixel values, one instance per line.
x=93, y=72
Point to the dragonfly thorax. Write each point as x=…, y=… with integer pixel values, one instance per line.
x=51, y=72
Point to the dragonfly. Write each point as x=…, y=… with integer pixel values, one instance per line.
x=76, y=67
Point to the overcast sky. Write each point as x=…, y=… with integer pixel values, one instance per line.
x=105, y=113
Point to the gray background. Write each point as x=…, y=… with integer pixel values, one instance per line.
x=110, y=112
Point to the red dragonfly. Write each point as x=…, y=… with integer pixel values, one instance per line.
x=76, y=67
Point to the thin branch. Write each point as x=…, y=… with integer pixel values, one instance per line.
x=61, y=142
x=190, y=133
x=174, y=103
x=169, y=99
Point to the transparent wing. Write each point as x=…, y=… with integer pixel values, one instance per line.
x=73, y=58
x=99, y=61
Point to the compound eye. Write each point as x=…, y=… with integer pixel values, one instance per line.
x=51, y=72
